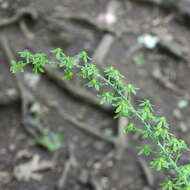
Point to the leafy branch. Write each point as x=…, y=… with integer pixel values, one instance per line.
x=111, y=89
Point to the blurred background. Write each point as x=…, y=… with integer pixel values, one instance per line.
x=54, y=134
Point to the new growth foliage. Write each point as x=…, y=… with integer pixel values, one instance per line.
x=111, y=89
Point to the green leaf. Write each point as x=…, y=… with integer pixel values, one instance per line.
x=27, y=55
x=58, y=53
x=52, y=141
x=162, y=132
x=41, y=69
x=113, y=73
x=131, y=127
x=84, y=56
x=162, y=122
x=17, y=66
x=107, y=97
x=69, y=74
x=123, y=108
x=138, y=60
x=94, y=83
x=145, y=149
x=131, y=89
x=169, y=185
x=88, y=70
x=146, y=103
x=177, y=145
x=146, y=114
x=159, y=163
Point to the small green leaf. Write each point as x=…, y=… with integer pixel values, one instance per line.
x=177, y=145
x=68, y=73
x=138, y=60
x=131, y=89
x=113, y=73
x=131, y=127
x=146, y=103
x=145, y=149
x=41, y=69
x=94, y=83
x=169, y=185
x=52, y=141
x=159, y=163
x=107, y=97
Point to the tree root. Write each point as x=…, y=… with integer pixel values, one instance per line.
x=19, y=18
x=147, y=172
x=103, y=49
x=27, y=99
x=82, y=126
x=23, y=26
x=25, y=95
x=163, y=80
x=182, y=6
x=121, y=137
x=10, y=96
x=90, y=22
x=20, y=14
x=175, y=49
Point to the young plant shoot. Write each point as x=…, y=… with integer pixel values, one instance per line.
x=167, y=148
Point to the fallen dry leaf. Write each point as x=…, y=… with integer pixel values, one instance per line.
x=31, y=169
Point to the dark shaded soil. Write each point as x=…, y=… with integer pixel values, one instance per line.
x=89, y=151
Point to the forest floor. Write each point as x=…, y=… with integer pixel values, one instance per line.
x=87, y=161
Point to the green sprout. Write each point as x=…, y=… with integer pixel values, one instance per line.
x=167, y=149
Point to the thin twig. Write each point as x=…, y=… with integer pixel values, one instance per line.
x=62, y=181
x=23, y=26
x=71, y=162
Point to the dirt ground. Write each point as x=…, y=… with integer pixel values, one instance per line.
x=74, y=26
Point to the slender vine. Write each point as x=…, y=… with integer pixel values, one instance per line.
x=110, y=88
